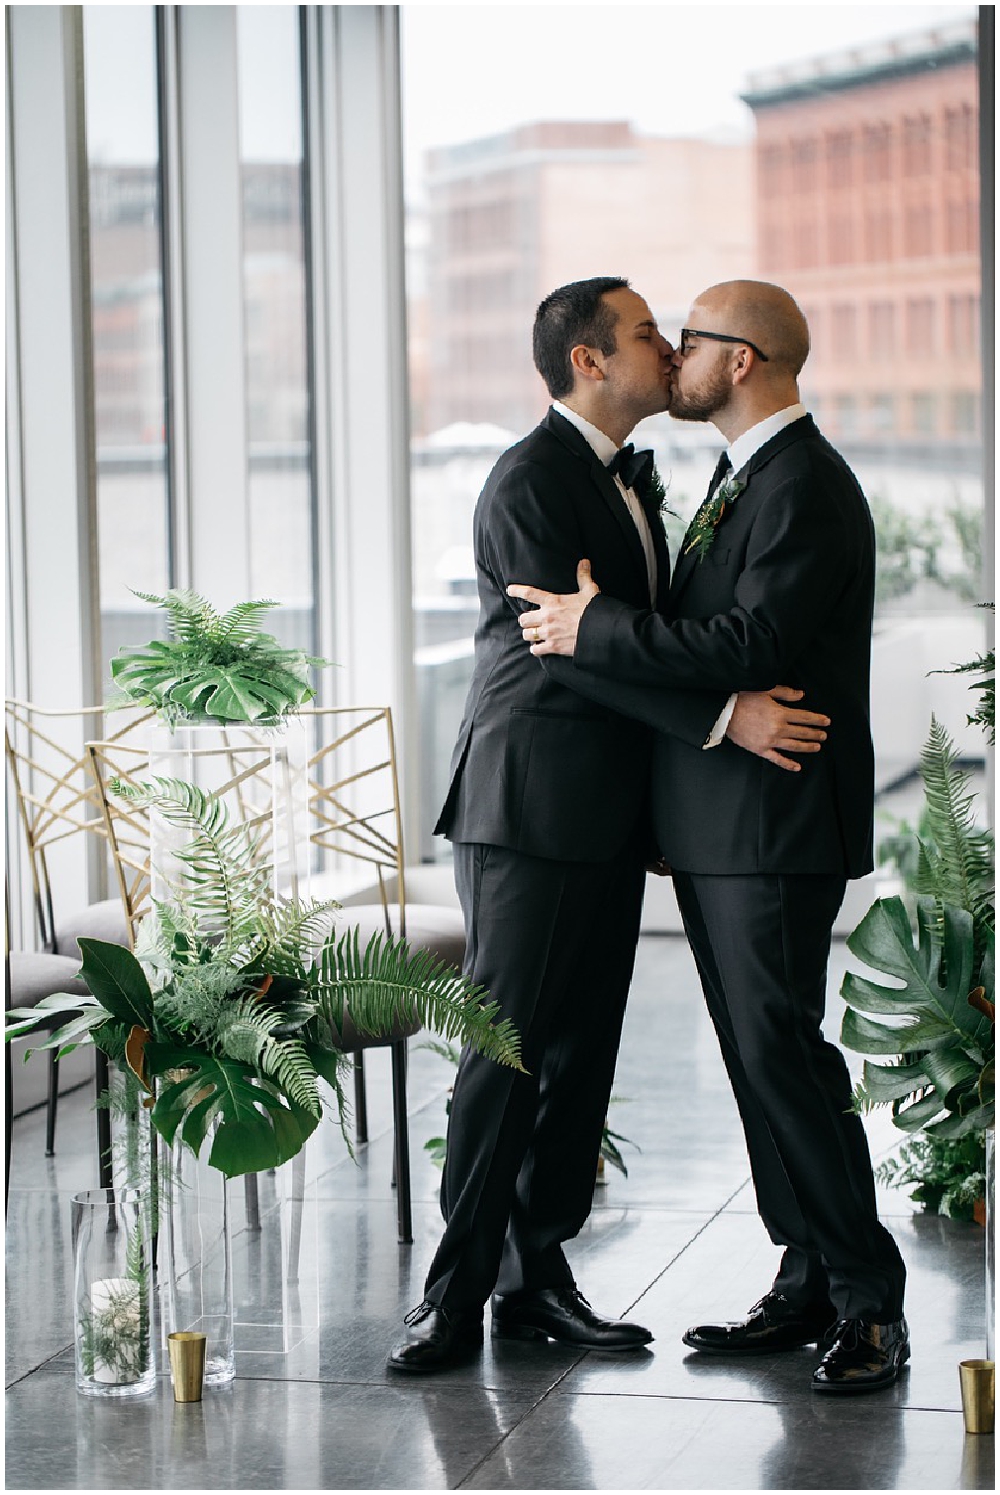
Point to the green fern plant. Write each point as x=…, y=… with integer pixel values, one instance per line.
x=213, y=667
x=934, y=1026
x=232, y=1008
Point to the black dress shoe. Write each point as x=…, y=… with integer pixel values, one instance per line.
x=438, y=1338
x=562, y=1314
x=771, y=1324
x=863, y=1357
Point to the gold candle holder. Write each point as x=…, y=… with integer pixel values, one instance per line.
x=187, y=1365
x=978, y=1378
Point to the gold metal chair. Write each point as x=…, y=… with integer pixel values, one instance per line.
x=57, y=800
x=356, y=828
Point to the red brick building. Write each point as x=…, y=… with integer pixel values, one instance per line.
x=868, y=211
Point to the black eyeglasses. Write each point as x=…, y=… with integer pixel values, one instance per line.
x=718, y=337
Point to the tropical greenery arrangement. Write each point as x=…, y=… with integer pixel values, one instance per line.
x=934, y=1028
x=230, y=1011
x=212, y=667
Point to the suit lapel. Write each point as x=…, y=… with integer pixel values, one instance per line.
x=687, y=562
x=603, y=482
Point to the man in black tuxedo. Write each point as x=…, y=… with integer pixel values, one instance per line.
x=548, y=811
x=775, y=581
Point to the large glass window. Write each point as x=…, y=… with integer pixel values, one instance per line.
x=829, y=148
x=127, y=303
x=274, y=270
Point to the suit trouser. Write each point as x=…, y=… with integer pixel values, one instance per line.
x=554, y=944
x=762, y=944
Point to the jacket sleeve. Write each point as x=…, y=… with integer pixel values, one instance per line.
x=532, y=535
x=797, y=564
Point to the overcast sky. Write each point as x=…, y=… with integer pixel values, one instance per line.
x=472, y=70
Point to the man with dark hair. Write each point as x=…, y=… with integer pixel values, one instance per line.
x=776, y=580
x=547, y=809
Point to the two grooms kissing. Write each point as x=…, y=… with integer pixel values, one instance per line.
x=613, y=705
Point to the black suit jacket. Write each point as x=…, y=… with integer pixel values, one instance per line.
x=542, y=765
x=784, y=596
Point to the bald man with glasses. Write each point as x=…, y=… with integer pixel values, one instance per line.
x=775, y=582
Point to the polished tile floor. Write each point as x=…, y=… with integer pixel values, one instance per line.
x=677, y=1241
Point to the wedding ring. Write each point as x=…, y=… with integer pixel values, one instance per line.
x=538, y=635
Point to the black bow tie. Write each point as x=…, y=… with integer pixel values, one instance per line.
x=634, y=468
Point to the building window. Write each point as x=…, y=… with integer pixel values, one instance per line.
x=846, y=408
x=877, y=153
x=882, y=414
x=805, y=243
x=918, y=230
x=840, y=238
x=923, y=414
x=917, y=145
x=963, y=326
x=844, y=318
x=962, y=225
x=840, y=158
x=804, y=156
x=960, y=138
x=920, y=339
x=772, y=170
x=881, y=331
x=878, y=234
x=964, y=412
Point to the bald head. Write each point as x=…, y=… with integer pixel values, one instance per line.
x=764, y=314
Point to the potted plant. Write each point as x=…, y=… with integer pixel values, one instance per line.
x=212, y=667
x=236, y=996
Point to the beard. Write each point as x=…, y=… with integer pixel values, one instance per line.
x=703, y=400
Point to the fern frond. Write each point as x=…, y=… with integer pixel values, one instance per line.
x=227, y=880
x=956, y=865
x=286, y=1062
x=389, y=979
x=242, y=622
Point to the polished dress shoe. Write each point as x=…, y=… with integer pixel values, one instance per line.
x=863, y=1356
x=438, y=1339
x=562, y=1314
x=771, y=1324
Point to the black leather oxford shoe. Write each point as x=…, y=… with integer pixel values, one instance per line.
x=438, y=1338
x=863, y=1356
x=772, y=1324
x=562, y=1314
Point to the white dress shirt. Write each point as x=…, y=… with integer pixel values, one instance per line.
x=604, y=449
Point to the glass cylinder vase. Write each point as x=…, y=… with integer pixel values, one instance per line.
x=259, y=775
x=112, y=1294
x=991, y=1262
x=195, y=1231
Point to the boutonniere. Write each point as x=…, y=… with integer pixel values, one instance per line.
x=701, y=532
x=656, y=494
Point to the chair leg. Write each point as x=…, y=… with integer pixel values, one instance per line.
x=53, y=1101
x=101, y=1082
x=401, y=1137
x=360, y=1099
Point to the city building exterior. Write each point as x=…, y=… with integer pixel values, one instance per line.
x=867, y=209
x=512, y=216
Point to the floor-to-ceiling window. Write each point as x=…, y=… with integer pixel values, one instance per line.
x=832, y=149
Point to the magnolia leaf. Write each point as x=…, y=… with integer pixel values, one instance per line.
x=978, y=1000
x=256, y=1128
x=135, y=1044
x=118, y=982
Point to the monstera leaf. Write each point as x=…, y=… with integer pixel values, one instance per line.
x=942, y=1041
x=256, y=1127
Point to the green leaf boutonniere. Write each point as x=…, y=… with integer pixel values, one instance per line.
x=656, y=494
x=701, y=531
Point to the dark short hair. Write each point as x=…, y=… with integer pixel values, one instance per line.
x=573, y=314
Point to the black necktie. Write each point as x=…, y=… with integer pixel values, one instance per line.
x=634, y=468
x=721, y=468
